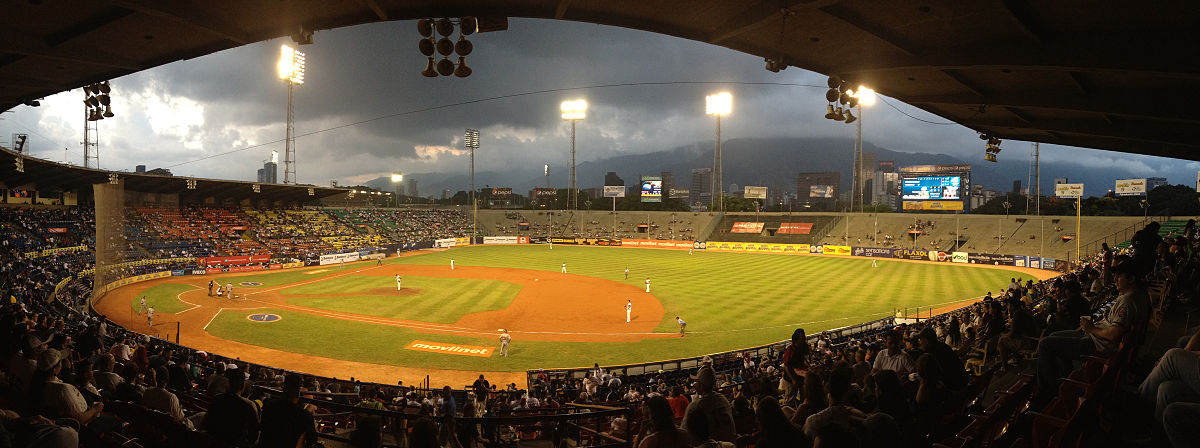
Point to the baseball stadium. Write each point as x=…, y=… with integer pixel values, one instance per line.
x=159, y=310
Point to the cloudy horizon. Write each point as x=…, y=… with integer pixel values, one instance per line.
x=365, y=110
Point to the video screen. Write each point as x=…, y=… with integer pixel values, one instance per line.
x=651, y=189
x=931, y=188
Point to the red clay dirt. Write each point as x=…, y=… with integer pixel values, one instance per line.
x=551, y=306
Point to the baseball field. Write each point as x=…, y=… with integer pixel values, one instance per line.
x=352, y=320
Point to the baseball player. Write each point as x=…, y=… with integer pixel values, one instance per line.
x=210, y=288
x=682, y=325
x=379, y=261
x=873, y=264
x=628, y=309
x=564, y=269
x=647, y=284
x=397, y=282
x=626, y=273
x=229, y=291
x=504, y=338
x=690, y=249
x=143, y=308
x=150, y=317
x=451, y=264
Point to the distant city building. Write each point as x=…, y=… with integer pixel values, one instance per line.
x=1016, y=186
x=160, y=172
x=613, y=179
x=446, y=194
x=1060, y=180
x=1155, y=182
x=668, y=182
x=887, y=166
x=701, y=192
x=269, y=174
x=139, y=169
x=412, y=187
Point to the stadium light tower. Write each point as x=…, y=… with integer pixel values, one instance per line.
x=471, y=140
x=291, y=71
x=718, y=104
x=397, y=183
x=866, y=97
x=573, y=111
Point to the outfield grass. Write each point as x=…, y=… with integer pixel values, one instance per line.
x=164, y=298
x=285, y=277
x=437, y=300
x=729, y=300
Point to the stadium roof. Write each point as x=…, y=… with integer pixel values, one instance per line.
x=54, y=176
x=1111, y=75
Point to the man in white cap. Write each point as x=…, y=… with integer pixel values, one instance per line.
x=564, y=269
x=504, y=338
x=628, y=309
x=62, y=400
x=712, y=405
x=150, y=317
x=647, y=284
x=397, y=282
x=143, y=308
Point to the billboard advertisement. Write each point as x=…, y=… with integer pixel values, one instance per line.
x=501, y=192
x=821, y=191
x=872, y=252
x=1068, y=191
x=933, y=205
x=959, y=257
x=992, y=259
x=651, y=189
x=795, y=228
x=1130, y=187
x=242, y=259
x=755, y=192
x=936, y=188
x=500, y=240
x=614, y=191
x=911, y=254
x=680, y=193
x=837, y=250
x=547, y=193
x=747, y=227
x=338, y=258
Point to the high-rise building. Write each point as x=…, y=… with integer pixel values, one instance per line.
x=612, y=179
x=702, y=188
x=1016, y=186
x=269, y=174
x=412, y=187
x=446, y=194
x=668, y=182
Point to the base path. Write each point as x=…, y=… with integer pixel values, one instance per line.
x=550, y=306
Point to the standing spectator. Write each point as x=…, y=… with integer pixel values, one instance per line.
x=795, y=364
x=679, y=403
x=954, y=373
x=231, y=417
x=285, y=423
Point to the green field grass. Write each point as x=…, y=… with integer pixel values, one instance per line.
x=278, y=278
x=437, y=299
x=163, y=298
x=729, y=300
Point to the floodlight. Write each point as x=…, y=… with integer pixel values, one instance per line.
x=397, y=177
x=425, y=27
x=719, y=104
x=574, y=110
x=462, y=71
x=108, y=112
x=445, y=27
x=429, y=71
x=426, y=46
x=468, y=25
x=291, y=65
x=445, y=46
x=463, y=47
x=445, y=67
x=866, y=96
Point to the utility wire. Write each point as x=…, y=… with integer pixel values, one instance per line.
x=914, y=118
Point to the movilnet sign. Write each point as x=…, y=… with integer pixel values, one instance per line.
x=451, y=349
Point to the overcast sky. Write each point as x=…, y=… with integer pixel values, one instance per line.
x=175, y=114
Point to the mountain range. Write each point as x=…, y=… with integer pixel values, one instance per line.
x=773, y=163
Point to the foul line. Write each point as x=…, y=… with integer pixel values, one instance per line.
x=179, y=297
x=210, y=321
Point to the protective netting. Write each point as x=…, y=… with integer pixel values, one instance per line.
x=111, y=246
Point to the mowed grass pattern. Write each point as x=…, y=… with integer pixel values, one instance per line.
x=164, y=298
x=729, y=300
x=441, y=300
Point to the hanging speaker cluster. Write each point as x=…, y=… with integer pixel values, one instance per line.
x=840, y=94
x=99, y=104
x=992, y=148
x=435, y=41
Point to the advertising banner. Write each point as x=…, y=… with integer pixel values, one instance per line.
x=538, y=240
x=337, y=258
x=225, y=261
x=614, y=191
x=820, y=191
x=587, y=241
x=659, y=244
x=522, y=240
x=451, y=349
x=933, y=205
x=724, y=246
x=462, y=241
x=651, y=189
x=795, y=228
x=747, y=227
x=1020, y=260
x=959, y=257
x=755, y=192
x=179, y=273
x=545, y=193
x=443, y=242
x=699, y=245
x=816, y=249
x=911, y=254
x=1068, y=191
x=882, y=252
x=501, y=193
x=992, y=259
x=293, y=265
x=680, y=193
x=274, y=266
x=1130, y=187
x=257, y=267
x=500, y=240
x=1035, y=262
x=939, y=256
x=199, y=271
x=56, y=230
x=837, y=250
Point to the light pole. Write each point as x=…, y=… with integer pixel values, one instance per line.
x=866, y=97
x=573, y=111
x=291, y=70
x=718, y=104
x=397, y=183
x=471, y=139
x=999, y=229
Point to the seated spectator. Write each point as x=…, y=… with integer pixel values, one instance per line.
x=287, y=424
x=106, y=379
x=892, y=357
x=36, y=431
x=814, y=400
x=658, y=426
x=697, y=429
x=158, y=398
x=839, y=411
x=1021, y=327
x=954, y=373
x=231, y=417
x=931, y=389
x=59, y=399
x=1057, y=351
x=744, y=420
x=890, y=398
x=774, y=428
x=679, y=402
x=713, y=406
